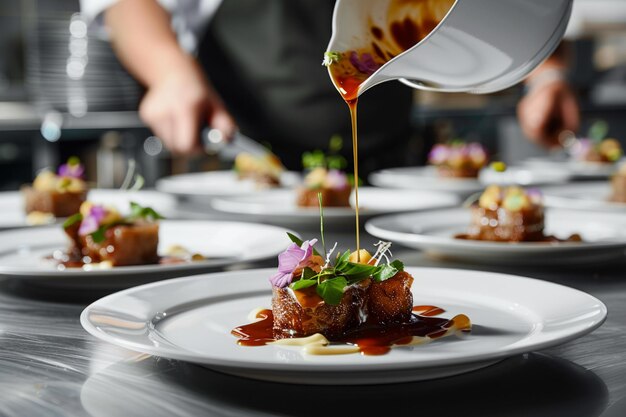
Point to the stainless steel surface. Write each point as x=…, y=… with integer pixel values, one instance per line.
x=49, y=366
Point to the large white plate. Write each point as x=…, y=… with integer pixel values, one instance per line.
x=423, y=178
x=190, y=319
x=280, y=205
x=604, y=237
x=528, y=176
x=578, y=169
x=583, y=196
x=202, y=186
x=12, y=213
x=427, y=178
x=23, y=253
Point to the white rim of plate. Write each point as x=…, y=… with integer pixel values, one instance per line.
x=539, y=338
x=264, y=253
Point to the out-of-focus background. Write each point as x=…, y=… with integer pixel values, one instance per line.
x=63, y=92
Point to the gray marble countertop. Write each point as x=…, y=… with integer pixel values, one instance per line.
x=49, y=366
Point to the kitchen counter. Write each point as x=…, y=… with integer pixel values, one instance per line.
x=49, y=366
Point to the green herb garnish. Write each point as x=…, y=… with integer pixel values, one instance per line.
x=331, y=57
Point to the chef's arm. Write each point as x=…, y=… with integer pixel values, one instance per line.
x=179, y=99
x=549, y=106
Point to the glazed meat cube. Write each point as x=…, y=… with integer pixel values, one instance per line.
x=303, y=313
x=59, y=204
x=390, y=301
x=503, y=225
x=134, y=244
x=330, y=197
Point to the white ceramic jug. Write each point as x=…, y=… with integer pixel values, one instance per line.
x=480, y=46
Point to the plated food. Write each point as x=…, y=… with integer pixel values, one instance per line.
x=605, y=151
x=618, y=185
x=331, y=185
x=185, y=247
x=280, y=206
x=57, y=194
x=458, y=159
x=435, y=232
x=359, y=303
x=510, y=314
x=509, y=214
x=264, y=171
x=101, y=237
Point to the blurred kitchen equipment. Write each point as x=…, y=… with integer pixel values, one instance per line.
x=71, y=72
x=480, y=46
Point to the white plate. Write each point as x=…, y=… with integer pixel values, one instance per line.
x=280, y=205
x=190, y=319
x=528, y=177
x=23, y=252
x=604, y=237
x=12, y=213
x=583, y=196
x=202, y=186
x=424, y=178
x=578, y=169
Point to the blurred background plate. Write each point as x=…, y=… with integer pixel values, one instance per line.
x=225, y=245
x=583, y=196
x=279, y=206
x=201, y=187
x=604, y=238
x=424, y=178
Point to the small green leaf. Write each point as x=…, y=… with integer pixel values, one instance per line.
x=398, y=265
x=598, y=130
x=308, y=273
x=295, y=239
x=336, y=143
x=302, y=284
x=331, y=57
x=99, y=235
x=384, y=273
x=332, y=290
x=342, y=260
x=356, y=272
x=139, y=212
x=73, y=219
x=73, y=160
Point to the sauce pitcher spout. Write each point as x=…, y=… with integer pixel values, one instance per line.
x=474, y=46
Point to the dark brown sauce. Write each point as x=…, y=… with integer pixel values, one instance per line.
x=68, y=261
x=544, y=239
x=370, y=339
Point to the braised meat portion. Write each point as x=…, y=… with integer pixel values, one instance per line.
x=303, y=313
x=59, y=204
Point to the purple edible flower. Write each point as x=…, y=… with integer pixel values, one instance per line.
x=365, y=63
x=290, y=260
x=535, y=195
x=439, y=154
x=71, y=169
x=336, y=179
x=581, y=148
x=91, y=222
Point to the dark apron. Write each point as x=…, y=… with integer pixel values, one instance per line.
x=264, y=58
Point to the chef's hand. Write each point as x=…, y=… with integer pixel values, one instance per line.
x=548, y=109
x=179, y=103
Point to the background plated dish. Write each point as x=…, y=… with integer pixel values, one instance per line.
x=578, y=169
x=279, y=206
x=583, y=196
x=191, y=319
x=201, y=187
x=433, y=231
x=12, y=213
x=226, y=244
x=423, y=178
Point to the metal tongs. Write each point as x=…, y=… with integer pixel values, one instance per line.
x=214, y=142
